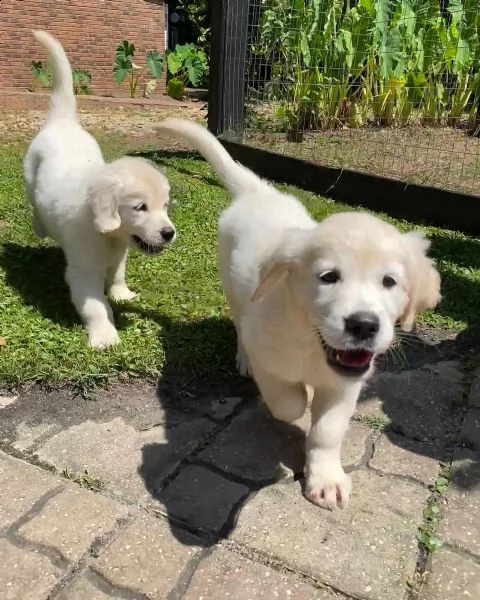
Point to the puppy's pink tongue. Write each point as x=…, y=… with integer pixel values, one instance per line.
x=354, y=358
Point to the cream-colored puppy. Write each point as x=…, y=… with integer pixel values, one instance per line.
x=92, y=209
x=313, y=303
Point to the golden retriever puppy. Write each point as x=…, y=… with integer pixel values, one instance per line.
x=313, y=303
x=94, y=210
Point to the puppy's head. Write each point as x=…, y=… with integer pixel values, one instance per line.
x=356, y=277
x=129, y=198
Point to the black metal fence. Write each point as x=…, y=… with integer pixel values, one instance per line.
x=374, y=102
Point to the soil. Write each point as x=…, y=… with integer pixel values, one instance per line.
x=441, y=157
x=138, y=121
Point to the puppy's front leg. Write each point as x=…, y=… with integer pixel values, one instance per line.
x=327, y=484
x=116, y=286
x=286, y=401
x=86, y=289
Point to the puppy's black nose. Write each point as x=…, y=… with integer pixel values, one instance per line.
x=167, y=233
x=362, y=325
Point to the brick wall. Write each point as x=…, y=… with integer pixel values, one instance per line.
x=89, y=30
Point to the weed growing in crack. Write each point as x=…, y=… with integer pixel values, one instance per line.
x=86, y=480
x=431, y=515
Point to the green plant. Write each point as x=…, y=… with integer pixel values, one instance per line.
x=41, y=74
x=175, y=88
x=125, y=67
x=381, y=61
x=187, y=64
x=82, y=80
x=431, y=515
x=198, y=14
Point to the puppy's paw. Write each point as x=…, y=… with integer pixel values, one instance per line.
x=102, y=337
x=243, y=364
x=121, y=293
x=329, y=488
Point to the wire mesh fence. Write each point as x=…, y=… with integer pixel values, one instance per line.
x=390, y=87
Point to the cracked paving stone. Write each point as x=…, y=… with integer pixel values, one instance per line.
x=460, y=525
x=83, y=589
x=418, y=403
x=470, y=434
x=72, y=520
x=451, y=577
x=147, y=557
x=201, y=498
x=131, y=462
x=21, y=485
x=227, y=575
x=255, y=444
x=397, y=455
x=368, y=550
x=25, y=575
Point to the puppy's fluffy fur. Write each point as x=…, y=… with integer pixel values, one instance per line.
x=92, y=209
x=313, y=303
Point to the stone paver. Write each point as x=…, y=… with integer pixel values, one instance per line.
x=451, y=577
x=21, y=485
x=279, y=545
x=83, y=589
x=418, y=402
x=25, y=575
x=397, y=455
x=131, y=462
x=368, y=550
x=202, y=498
x=461, y=523
x=72, y=520
x=470, y=434
x=224, y=575
x=147, y=558
x=255, y=444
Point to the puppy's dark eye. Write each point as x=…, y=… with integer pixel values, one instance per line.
x=329, y=277
x=389, y=282
x=141, y=207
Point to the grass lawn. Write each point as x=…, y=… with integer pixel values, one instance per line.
x=179, y=327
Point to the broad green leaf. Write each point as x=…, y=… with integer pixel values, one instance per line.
x=154, y=62
x=174, y=63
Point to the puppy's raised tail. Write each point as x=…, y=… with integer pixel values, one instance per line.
x=235, y=177
x=63, y=104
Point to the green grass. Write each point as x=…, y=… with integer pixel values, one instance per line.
x=179, y=327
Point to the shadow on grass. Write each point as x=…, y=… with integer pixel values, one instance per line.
x=37, y=274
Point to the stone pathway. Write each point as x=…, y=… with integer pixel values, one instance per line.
x=131, y=497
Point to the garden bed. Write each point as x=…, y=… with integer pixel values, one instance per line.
x=440, y=157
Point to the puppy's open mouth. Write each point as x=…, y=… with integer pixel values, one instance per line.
x=145, y=247
x=353, y=362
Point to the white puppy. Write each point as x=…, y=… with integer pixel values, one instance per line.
x=326, y=297
x=92, y=209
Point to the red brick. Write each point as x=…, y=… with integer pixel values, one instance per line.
x=90, y=32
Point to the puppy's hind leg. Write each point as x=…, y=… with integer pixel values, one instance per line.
x=286, y=401
x=86, y=289
x=116, y=287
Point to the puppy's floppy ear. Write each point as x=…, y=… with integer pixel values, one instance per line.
x=272, y=277
x=423, y=279
x=284, y=260
x=103, y=196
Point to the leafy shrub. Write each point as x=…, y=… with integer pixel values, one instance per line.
x=41, y=75
x=187, y=64
x=125, y=67
x=385, y=62
x=82, y=79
